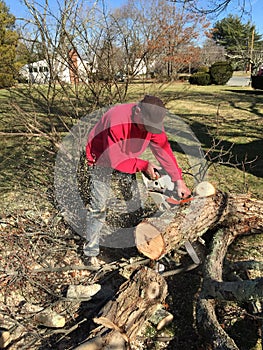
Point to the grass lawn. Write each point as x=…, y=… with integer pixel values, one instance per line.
x=232, y=120
x=226, y=122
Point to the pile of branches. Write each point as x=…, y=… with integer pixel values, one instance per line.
x=39, y=259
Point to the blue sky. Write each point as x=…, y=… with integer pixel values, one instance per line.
x=255, y=16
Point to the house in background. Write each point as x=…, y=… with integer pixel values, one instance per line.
x=141, y=69
x=71, y=71
x=74, y=70
x=36, y=72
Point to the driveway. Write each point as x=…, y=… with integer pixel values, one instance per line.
x=239, y=81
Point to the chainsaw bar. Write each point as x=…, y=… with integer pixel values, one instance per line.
x=174, y=201
x=190, y=250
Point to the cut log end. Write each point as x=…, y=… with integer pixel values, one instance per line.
x=165, y=322
x=149, y=241
x=153, y=290
x=204, y=189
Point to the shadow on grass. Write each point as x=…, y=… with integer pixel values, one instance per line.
x=247, y=92
x=26, y=164
x=247, y=156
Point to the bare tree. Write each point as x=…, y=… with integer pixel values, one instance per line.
x=211, y=52
x=215, y=6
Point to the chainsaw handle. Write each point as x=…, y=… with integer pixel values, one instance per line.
x=156, y=171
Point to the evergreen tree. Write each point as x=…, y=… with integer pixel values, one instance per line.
x=8, y=43
x=235, y=36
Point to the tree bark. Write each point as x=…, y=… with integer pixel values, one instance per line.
x=122, y=319
x=236, y=291
x=214, y=287
x=157, y=236
x=207, y=322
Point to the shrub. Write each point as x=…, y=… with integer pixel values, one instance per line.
x=200, y=78
x=203, y=69
x=6, y=80
x=220, y=72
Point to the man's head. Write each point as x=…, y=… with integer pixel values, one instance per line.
x=152, y=112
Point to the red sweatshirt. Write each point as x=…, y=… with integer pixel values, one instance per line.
x=117, y=142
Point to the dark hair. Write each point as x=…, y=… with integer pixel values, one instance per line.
x=152, y=100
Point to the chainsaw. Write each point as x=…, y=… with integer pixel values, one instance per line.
x=161, y=190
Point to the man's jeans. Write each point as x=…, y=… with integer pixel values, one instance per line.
x=101, y=179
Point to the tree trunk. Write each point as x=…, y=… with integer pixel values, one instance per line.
x=157, y=236
x=121, y=319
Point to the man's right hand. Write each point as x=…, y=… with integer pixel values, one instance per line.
x=151, y=171
x=181, y=190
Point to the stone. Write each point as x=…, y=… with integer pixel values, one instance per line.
x=50, y=319
x=83, y=292
x=5, y=338
x=161, y=317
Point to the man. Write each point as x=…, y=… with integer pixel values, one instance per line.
x=115, y=144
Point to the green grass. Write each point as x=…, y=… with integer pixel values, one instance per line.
x=230, y=118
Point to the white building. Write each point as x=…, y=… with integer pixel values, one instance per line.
x=73, y=70
x=140, y=67
x=37, y=72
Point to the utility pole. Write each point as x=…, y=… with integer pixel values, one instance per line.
x=251, y=50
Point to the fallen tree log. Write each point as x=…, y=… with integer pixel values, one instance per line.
x=121, y=319
x=213, y=287
x=207, y=322
x=156, y=236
